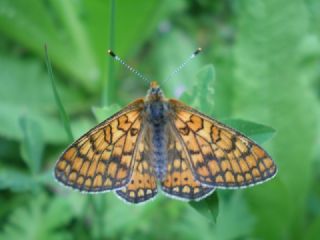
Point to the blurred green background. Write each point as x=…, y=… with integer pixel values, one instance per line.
x=261, y=63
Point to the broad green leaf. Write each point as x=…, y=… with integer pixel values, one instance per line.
x=270, y=88
x=102, y=113
x=313, y=231
x=208, y=207
x=115, y=226
x=8, y=151
x=32, y=145
x=39, y=219
x=258, y=132
x=46, y=177
x=26, y=91
x=221, y=55
x=17, y=181
x=53, y=130
x=195, y=225
x=314, y=10
x=26, y=83
x=46, y=23
x=201, y=95
x=59, y=213
x=234, y=220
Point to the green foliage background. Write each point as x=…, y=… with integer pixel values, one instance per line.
x=259, y=72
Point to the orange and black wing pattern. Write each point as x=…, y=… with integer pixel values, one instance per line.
x=103, y=158
x=219, y=156
x=179, y=181
x=143, y=184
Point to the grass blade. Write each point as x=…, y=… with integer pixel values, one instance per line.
x=108, y=91
x=63, y=115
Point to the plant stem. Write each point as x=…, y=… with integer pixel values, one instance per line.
x=109, y=86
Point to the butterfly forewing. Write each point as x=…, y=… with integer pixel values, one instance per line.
x=103, y=158
x=179, y=181
x=143, y=184
x=219, y=156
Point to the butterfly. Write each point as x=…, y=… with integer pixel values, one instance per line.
x=159, y=144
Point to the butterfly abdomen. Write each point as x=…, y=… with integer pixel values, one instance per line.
x=157, y=118
x=159, y=143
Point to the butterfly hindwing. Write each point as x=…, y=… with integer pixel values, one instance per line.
x=102, y=159
x=179, y=181
x=220, y=156
x=143, y=183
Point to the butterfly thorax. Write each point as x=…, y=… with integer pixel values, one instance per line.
x=156, y=109
x=155, y=105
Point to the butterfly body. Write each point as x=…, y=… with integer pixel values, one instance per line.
x=158, y=141
x=156, y=112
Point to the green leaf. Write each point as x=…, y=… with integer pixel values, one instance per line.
x=102, y=113
x=17, y=181
x=58, y=213
x=32, y=145
x=208, y=207
x=35, y=101
x=313, y=231
x=258, y=132
x=234, y=220
x=61, y=30
x=201, y=95
x=40, y=219
x=221, y=55
x=269, y=87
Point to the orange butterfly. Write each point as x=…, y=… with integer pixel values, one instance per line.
x=162, y=141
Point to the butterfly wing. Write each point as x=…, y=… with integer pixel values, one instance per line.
x=219, y=156
x=179, y=181
x=143, y=184
x=102, y=159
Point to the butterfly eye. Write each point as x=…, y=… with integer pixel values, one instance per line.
x=155, y=90
x=158, y=91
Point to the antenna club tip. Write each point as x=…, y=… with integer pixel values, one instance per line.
x=199, y=50
x=111, y=53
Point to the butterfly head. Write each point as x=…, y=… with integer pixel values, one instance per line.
x=155, y=92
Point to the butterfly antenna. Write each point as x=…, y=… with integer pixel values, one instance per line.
x=131, y=69
x=178, y=69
